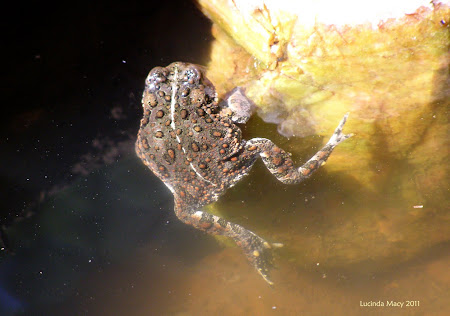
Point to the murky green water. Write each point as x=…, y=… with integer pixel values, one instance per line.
x=111, y=245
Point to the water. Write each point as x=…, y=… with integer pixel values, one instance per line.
x=109, y=244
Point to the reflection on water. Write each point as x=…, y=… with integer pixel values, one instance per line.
x=110, y=245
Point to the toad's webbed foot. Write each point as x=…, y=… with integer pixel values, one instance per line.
x=257, y=250
x=338, y=137
x=280, y=163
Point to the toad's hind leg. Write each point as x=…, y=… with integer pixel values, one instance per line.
x=281, y=165
x=257, y=250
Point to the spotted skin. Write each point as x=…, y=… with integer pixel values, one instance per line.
x=192, y=144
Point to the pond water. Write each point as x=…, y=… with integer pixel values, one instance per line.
x=109, y=244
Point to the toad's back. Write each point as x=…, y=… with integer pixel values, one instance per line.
x=182, y=138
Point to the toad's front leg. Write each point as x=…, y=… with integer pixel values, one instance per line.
x=237, y=106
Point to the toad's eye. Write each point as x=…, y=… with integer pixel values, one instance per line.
x=192, y=75
x=155, y=77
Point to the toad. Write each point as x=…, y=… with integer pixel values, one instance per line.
x=192, y=143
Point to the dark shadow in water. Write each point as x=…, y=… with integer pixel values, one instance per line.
x=99, y=221
x=75, y=79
